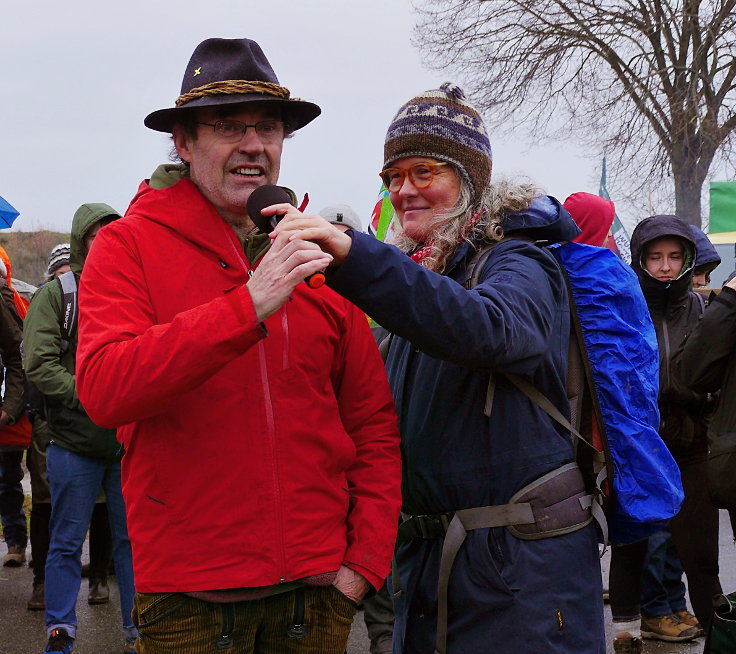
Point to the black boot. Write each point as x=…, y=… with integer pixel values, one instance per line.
x=37, y=601
x=99, y=593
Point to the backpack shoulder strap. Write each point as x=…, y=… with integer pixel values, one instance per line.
x=701, y=301
x=544, y=403
x=477, y=262
x=69, y=311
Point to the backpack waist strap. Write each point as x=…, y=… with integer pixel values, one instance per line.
x=554, y=504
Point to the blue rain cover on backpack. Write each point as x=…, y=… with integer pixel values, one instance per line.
x=621, y=346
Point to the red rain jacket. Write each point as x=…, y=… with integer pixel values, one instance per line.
x=253, y=456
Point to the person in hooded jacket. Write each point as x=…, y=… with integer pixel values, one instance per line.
x=663, y=257
x=594, y=215
x=471, y=440
x=82, y=458
x=262, y=451
x=707, y=364
x=707, y=258
x=100, y=539
x=663, y=591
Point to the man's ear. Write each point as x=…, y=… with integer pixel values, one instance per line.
x=182, y=142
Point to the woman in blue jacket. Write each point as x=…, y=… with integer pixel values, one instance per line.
x=471, y=441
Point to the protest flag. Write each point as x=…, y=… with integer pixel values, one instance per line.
x=383, y=224
x=620, y=243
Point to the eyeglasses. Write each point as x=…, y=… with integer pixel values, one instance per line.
x=420, y=174
x=234, y=130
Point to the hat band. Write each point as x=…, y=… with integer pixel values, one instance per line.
x=231, y=87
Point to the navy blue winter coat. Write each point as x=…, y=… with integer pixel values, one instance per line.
x=505, y=594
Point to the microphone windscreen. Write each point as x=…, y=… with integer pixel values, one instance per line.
x=262, y=197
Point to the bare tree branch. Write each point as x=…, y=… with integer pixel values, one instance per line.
x=652, y=83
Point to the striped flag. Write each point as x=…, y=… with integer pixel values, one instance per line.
x=383, y=224
x=621, y=244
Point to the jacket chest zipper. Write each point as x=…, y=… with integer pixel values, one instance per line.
x=666, y=339
x=271, y=432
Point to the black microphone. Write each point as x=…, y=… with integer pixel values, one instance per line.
x=264, y=196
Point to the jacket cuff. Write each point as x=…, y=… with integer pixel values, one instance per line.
x=242, y=304
x=375, y=580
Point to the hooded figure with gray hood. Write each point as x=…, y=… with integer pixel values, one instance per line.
x=675, y=312
x=82, y=458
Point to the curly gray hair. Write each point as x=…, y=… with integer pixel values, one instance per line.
x=448, y=229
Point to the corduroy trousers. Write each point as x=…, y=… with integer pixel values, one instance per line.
x=309, y=620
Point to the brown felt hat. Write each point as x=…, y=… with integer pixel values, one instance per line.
x=231, y=71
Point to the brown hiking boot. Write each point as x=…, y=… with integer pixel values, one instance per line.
x=690, y=620
x=625, y=643
x=668, y=628
x=15, y=557
x=38, y=600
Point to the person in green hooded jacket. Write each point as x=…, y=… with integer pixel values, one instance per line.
x=82, y=458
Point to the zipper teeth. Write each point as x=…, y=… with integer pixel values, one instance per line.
x=285, y=329
x=269, y=422
x=666, y=338
x=666, y=335
x=272, y=438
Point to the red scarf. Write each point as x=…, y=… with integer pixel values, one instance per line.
x=421, y=253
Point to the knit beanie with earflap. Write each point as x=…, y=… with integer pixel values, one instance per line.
x=440, y=123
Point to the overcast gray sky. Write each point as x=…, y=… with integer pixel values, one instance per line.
x=78, y=78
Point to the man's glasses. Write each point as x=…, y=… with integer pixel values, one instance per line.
x=234, y=130
x=420, y=174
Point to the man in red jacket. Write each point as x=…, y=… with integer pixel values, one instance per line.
x=262, y=468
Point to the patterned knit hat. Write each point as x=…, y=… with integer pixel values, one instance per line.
x=441, y=124
x=59, y=257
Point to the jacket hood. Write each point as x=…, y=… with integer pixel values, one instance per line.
x=649, y=230
x=172, y=200
x=705, y=251
x=593, y=214
x=86, y=216
x=544, y=220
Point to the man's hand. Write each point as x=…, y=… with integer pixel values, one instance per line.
x=4, y=418
x=313, y=228
x=350, y=583
x=286, y=264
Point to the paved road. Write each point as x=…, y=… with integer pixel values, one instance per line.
x=22, y=631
